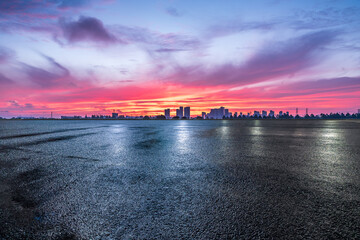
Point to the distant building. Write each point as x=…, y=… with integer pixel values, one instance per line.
x=358, y=111
x=180, y=112
x=271, y=113
x=264, y=113
x=70, y=117
x=187, y=112
x=114, y=115
x=167, y=113
x=203, y=115
x=256, y=114
x=235, y=115
x=280, y=113
x=217, y=113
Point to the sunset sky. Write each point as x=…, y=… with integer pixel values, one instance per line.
x=77, y=57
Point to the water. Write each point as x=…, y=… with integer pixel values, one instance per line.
x=179, y=179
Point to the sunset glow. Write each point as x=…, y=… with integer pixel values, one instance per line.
x=139, y=57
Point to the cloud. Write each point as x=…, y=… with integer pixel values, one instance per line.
x=36, y=7
x=45, y=78
x=235, y=26
x=4, y=80
x=173, y=12
x=273, y=61
x=170, y=50
x=155, y=41
x=5, y=54
x=87, y=29
x=332, y=85
x=13, y=104
x=323, y=18
x=72, y=3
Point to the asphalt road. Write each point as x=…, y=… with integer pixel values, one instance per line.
x=180, y=179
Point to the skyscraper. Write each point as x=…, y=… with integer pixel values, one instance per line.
x=264, y=113
x=167, y=113
x=222, y=112
x=217, y=113
x=187, y=112
x=203, y=115
x=271, y=113
x=181, y=111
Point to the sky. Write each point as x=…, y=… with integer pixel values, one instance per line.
x=78, y=57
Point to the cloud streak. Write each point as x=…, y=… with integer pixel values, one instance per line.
x=273, y=61
x=60, y=75
x=87, y=29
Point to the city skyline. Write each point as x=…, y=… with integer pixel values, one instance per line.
x=94, y=56
x=184, y=113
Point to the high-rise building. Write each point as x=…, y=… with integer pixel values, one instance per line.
x=167, y=113
x=264, y=113
x=256, y=114
x=222, y=111
x=180, y=112
x=203, y=115
x=307, y=111
x=217, y=113
x=271, y=113
x=235, y=115
x=297, y=111
x=280, y=113
x=187, y=112
x=114, y=115
x=358, y=111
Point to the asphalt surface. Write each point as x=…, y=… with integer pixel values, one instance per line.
x=180, y=179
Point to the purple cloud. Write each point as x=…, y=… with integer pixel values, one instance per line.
x=72, y=3
x=235, y=26
x=275, y=60
x=34, y=7
x=4, y=80
x=87, y=29
x=340, y=85
x=45, y=78
x=5, y=54
x=15, y=104
x=173, y=12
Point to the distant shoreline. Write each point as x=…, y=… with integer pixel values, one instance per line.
x=246, y=119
